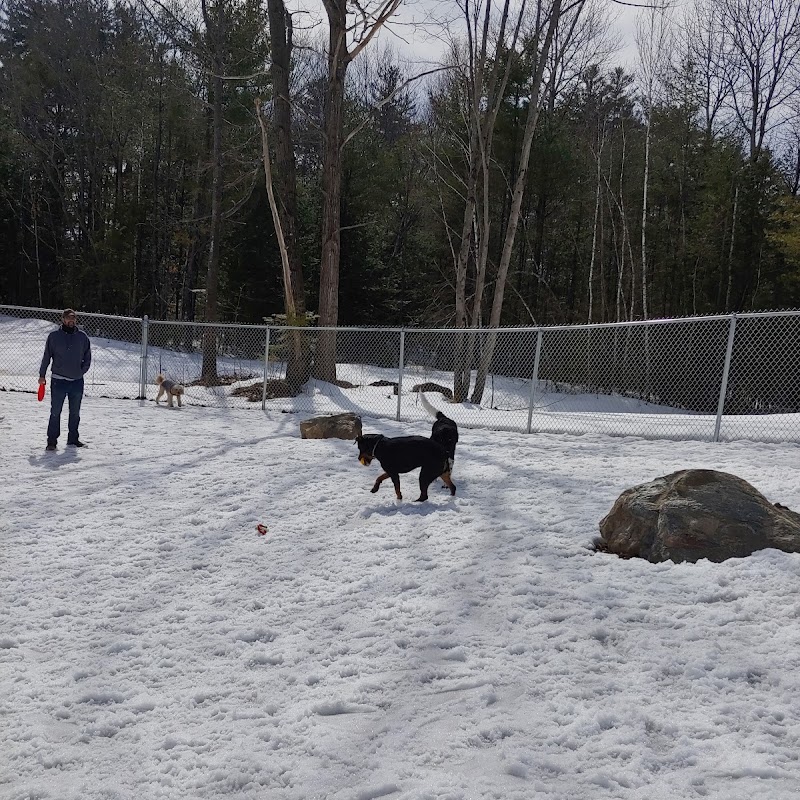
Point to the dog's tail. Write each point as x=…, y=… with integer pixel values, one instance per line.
x=435, y=413
x=159, y=379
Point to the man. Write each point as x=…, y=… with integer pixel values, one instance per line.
x=71, y=354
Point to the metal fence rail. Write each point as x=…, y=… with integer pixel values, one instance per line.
x=708, y=378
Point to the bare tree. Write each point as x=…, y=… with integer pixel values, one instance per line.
x=221, y=37
x=284, y=208
x=215, y=19
x=653, y=41
x=705, y=43
x=488, y=58
x=346, y=39
x=789, y=157
x=590, y=43
x=762, y=59
x=598, y=156
x=547, y=21
x=281, y=46
x=761, y=63
x=289, y=303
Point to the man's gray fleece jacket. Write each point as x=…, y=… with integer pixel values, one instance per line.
x=71, y=354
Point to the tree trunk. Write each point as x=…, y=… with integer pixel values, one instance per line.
x=209, y=371
x=594, y=235
x=644, y=206
x=35, y=215
x=368, y=20
x=215, y=37
x=480, y=153
x=730, y=250
x=190, y=268
x=646, y=387
x=462, y=371
x=516, y=203
x=280, y=26
x=338, y=59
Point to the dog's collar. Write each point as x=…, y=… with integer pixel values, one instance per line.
x=375, y=446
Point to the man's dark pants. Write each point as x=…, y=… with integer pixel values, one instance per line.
x=59, y=390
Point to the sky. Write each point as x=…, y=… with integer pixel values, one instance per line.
x=420, y=30
x=153, y=644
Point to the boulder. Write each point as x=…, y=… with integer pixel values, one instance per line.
x=694, y=514
x=336, y=426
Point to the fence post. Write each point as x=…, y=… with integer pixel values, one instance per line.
x=723, y=389
x=400, y=371
x=266, y=367
x=143, y=360
x=535, y=377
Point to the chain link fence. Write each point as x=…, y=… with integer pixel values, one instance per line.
x=707, y=378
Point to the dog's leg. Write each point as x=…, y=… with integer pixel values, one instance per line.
x=160, y=392
x=396, y=481
x=427, y=476
x=381, y=478
x=448, y=470
x=169, y=399
x=449, y=483
x=179, y=401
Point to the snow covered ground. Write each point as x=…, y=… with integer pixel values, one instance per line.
x=154, y=645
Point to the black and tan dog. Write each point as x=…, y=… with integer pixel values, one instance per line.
x=403, y=454
x=444, y=431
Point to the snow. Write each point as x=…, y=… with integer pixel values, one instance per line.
x=154, y=645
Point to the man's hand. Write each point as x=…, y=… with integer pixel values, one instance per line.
x=42, y=381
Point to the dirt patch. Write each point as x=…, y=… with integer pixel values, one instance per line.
x=433, y=387
x=221, y=380
x=275, y=389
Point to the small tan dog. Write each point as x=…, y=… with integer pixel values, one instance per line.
x=170, y=389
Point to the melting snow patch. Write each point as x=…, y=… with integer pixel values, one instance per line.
x=377, y=791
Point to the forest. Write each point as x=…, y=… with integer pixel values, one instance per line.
x=238, y=161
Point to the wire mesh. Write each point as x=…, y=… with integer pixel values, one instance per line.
x=331, y=371
x=661, y=379
x=762, y=400
x=478, y=378
x=116, y=350
x=217, y=364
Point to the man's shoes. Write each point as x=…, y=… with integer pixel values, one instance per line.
x=75, y=444
x=50, y=446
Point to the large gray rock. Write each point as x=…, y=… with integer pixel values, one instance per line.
x=694, y=514
x=336, y=426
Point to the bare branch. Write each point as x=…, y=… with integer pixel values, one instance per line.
x=658, y=6
x=389, y=8
x=276, y=220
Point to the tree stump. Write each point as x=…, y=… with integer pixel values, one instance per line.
x=335, y=426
